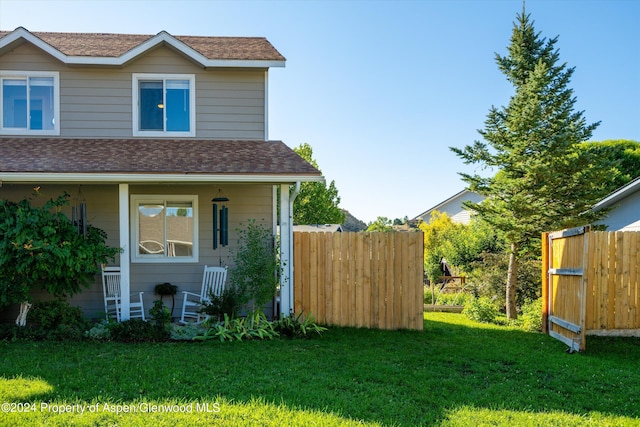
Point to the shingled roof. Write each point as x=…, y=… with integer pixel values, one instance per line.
x=151, y=156
x=113, y=46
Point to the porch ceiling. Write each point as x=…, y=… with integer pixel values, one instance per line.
x=152, y=159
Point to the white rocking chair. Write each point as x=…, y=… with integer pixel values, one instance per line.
x=213, y=281
x=112, y=296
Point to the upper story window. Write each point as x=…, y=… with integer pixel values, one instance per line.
x=30, y=103
x=164, y=105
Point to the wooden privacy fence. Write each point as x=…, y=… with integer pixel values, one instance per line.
x=372, y=280
x=591, y=284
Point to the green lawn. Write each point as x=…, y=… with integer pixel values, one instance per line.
x=454, y=373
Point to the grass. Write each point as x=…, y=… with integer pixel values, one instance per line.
x=455, y=373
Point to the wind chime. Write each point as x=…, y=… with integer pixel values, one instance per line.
x=79, y=214
x=220, y=220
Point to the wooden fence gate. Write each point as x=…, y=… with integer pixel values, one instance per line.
x=565, y=286
x=591, y=284
x=372, y=280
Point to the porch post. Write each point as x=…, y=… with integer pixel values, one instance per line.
x=125, y=288
x=286, y=256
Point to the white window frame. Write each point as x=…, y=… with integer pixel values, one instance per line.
x=136, y=199
x=10, y=74
x=135, y=107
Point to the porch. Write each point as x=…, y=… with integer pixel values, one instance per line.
x=111, y=208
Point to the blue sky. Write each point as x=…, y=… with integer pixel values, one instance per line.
x=382, y=89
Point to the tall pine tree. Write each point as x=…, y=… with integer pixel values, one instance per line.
x=543, y=181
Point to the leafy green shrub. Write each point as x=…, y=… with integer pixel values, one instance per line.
x=226, y=304
x=11, y=332
x=185, y=332
x=256, y=271
x=488, y=278
x=481, y=310
x=532, y=316
x=254, y=326
x=160, y=315
x=56, y=320
x=137, y=330
x=41, y=248
x=294, y=327
x=101, y=331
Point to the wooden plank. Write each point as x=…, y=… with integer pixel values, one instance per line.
x=620, y=315
x=298, y=278
x=351, y=285
x=545, y=282
x=366, y=279
x=414, y=288
x=589, y=282
x=611, y=283
x=313, y=275
x=398, y=280
x=359, y=273
x=389, y=279
x=328, y=280
x=375, y=280
x=321, y=274
x=382, y=283
x=568, y=232
x=625, y=280
x=337, y=278
x=634, y=274
x=420, y=281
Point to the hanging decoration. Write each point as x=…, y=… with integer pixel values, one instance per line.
x=79, y=213
x=220, y=220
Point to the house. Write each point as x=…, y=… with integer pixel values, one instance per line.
x=625, y=208
x=146, y=130
x=453, y=208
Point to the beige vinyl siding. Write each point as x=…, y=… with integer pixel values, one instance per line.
x=96, y=102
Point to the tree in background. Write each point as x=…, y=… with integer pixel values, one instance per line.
x=462, y=246
x=437, y=234
x=316, y=203
x=543, y=180
x=41, y=248
x=381, y=224
x=622, y=155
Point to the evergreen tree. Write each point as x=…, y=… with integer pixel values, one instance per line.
x=543, y=180
x=316, y=203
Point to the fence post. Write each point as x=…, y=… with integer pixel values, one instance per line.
x=545, y=283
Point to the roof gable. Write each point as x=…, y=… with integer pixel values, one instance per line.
x=118, y=49
x=456, y=200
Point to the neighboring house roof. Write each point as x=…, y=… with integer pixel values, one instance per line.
x=453, y=207
x=148, y=159
x=118, y=49
x=618, y=195
x=328, y=228
x=625, y=208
